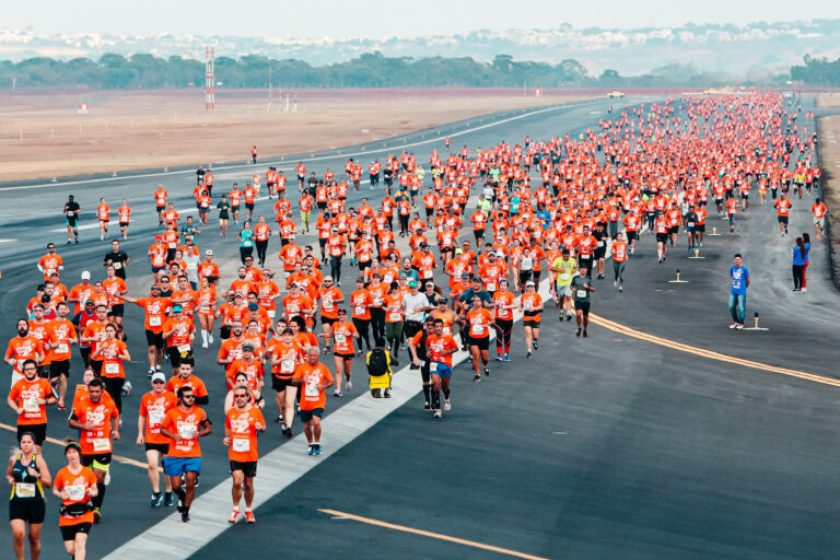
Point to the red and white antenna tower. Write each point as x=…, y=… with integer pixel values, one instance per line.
x=210, y=78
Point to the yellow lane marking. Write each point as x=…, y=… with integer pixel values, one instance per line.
x=431, y=535
x=710, y=354
x=61, y=442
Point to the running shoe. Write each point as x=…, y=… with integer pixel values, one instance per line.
x=739, y=326
x=487, y=372
x=185, y=517
x=311, y=450
x=156, y=501
x=733, y=325
x=169, y=500
x=477, y=378
x=338, y=393
x=536, y=345
x=529, y=354
x=578, y=333
x=279, y=419
x=427, y=406
x=234, y=516
x=348, y=385
x=584, y=333
x=438, y=414
x=249, y=517
x=507, y=357
x=447, y=405
x=317, y=450
x=499, y=357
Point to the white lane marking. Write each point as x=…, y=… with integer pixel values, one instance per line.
x=395, y=144
x=7, y=241
x=170, y=539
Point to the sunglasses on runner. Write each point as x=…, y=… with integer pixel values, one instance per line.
x=156, y=381
x=185, y=397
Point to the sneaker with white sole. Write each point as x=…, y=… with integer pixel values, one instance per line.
x=348, y=385
x=447, y=405
x=234, y=516
x=438, y=414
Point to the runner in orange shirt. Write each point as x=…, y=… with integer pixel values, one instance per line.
x=262, y=233
x=178, y=333
x=99, y=423
x=51, y=262
x=184, y=425
x=331, y=297
x=124, y=214
x=76, y=486
x=440, y=348
x=504, y=302
x=619, y=255
x=103, y=214
x=29, y=398
x=21, y=348
x=315, y=379
x=160, y=196
x=531, y=304
x=783, y=206
x=153, y=408
x=243, y=423
x=343, y=333
x=113, y=353
x=477, y=326
x=819, y=210
x=155, y=308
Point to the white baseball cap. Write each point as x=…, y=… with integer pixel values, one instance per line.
x=86, y=275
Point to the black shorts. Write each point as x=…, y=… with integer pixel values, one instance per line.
x=249, y=206
x=328, y=320
x=600, y=253
x=783, y=220
x=174, y=356
x=531, y=323
x=482, y=343
x=31, y=510
x=224, y=332
x=306, y=415
x=163, y=448
x=447, y=250
x=364, y=265
x=96, y=365
x=632, y=235
x=117, y=310
x=39, y=431
x=346, y=356
x=661, y=237
x=123, y=224
x=154, y=339
x=699, y=228
x=582, y=306
x=279, y=384
x=72, y=222
x=321, y=205
x=322, y=243
x=430, y=211
x=248, y=468
x=101, y=458
x=60, y=368
x=69, y=532
x=674, y=230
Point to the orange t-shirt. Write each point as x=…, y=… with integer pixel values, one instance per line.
x=506, y=298
x=437, y=345
x=25, y=394
x=479, y=321
x=186, y=425
x=153, y=407
x=243, y=433
x=532, y=302
x=359, y=301
x=99, y=415
x=59, y=333
x=176, y=382
x=182, y=328
x=343, y=332
x=311, y=396
x=78, y=487
x=112, y=366
x=155, y=309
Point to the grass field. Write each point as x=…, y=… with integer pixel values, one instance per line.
x=41, y=134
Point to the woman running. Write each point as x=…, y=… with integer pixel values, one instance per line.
x=246, y=241
x=28, y=475
x=75, y=485
x=531, y=306
x=224, y=215
x=206, y=310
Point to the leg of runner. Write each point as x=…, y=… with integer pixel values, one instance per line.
x=528, y=338
x=290, y=395
x=339, y=375
x=238, y=479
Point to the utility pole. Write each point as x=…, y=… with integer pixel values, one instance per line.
x=210, y=78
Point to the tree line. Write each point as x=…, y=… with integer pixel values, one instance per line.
x=817, y=71
x=371, y=70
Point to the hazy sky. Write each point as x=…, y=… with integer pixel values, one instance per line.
x=376, y=18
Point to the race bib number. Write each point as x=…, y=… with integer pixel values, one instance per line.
x=690, y=224
x=394, y=317
x=31, y=406
x=241, y=445
x=491, y=286
x=433, y=367
x=101, y=445
x=477, y=330
x=24, y=489
x=75, y=492
x=340, y=339
x=601, y=243
x=311, y=391
x=112, y=368
x=156, y=416
x=581, y=294
x=186, y=432
x=287, y=366
x=271, y=313
x=62, y=348
x=360, y=310
x=154, y=321
x=117, y=265
x=564, y=276
x=184, y=348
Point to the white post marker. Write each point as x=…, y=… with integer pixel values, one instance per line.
x=678, y=280
x=714, y=232
x=755, y=326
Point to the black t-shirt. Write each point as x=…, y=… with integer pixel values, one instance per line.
x=119, y=260
x=71, y=209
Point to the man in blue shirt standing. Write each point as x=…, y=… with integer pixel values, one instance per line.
x=738, y=294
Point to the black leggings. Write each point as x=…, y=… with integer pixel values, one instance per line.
x=798, y=273
x=377, y=320
x=262, y=247
x=114, y=387
x=504, y=328
x=363, y=326
x=335, y=268
x=245, y=252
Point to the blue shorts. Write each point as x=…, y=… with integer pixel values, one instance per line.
x=176, y=466
x=441, y=369
x=306, y=415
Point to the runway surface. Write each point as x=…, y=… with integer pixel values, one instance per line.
x=613, y=446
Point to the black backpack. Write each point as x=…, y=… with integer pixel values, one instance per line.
x=377, y=362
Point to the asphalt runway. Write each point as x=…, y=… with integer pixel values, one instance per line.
x=595, y=448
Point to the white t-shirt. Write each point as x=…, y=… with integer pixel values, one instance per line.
x=414, y=305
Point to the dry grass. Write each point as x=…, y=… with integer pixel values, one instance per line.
x=829, y=138
x=41, y=134
x=828, y=99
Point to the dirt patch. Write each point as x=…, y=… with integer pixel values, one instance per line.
x=828, y=99
x=828, y=129
x=41, y=134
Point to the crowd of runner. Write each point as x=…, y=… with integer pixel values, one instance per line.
x=289, y=326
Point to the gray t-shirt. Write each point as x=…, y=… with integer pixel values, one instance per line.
x=414, y=304
x=579, y=291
